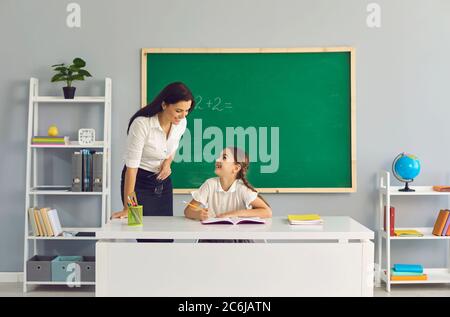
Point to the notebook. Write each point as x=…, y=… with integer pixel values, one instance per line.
x=234, y=221
x=408, y=268
x=423, y=277
x=54, y=222
x=305, y=219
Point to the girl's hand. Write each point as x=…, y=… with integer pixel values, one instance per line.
x=203, y=214
x=165, y=170
x=120, y=214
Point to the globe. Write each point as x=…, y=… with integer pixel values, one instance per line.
x=406, y=167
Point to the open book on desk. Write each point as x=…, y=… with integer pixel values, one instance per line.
x=234, y=221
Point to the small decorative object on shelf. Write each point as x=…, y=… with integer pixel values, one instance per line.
x=86, y=136
x=69, y=74
x=52, y=130
x=405, y=168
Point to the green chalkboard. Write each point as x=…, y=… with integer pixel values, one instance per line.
x=292, y=111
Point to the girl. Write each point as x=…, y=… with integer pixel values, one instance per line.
x=230, y=194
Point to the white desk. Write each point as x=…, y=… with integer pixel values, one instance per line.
x=335, y=259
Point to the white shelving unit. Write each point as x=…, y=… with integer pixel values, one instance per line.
x=34, y=189
x=383, y=272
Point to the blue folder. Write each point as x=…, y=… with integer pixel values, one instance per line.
x=408, y=268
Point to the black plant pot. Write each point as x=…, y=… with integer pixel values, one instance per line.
x=69, y=92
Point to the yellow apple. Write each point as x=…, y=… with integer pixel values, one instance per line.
x=52, y=130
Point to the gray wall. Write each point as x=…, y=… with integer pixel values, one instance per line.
x=402, y=87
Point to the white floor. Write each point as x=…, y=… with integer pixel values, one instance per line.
x=15, y=290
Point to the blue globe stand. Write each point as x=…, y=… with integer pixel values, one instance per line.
x=406, y=188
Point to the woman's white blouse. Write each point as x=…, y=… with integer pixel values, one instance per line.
x=147, y=146
x=212, y=196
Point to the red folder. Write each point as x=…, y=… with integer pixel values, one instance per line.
x=391, y=220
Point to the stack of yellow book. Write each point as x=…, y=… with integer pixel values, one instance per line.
x=305, y=219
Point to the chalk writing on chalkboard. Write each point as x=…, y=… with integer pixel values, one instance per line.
x=212, y=104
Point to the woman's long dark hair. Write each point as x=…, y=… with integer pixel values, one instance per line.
x=171, y=94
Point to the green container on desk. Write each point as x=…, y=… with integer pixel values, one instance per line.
x=135, y=216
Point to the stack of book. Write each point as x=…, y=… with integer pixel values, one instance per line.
x=441, y=188
x=305, y=219
x=408, y=272
x=408, y=233
x=44, y=222
x=50, y=140
x=442, y=224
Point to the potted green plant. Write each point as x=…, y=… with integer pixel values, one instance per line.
x=69, y=74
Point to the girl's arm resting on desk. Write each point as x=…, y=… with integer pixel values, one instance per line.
x=259, y=209
x=197, y=213
x=128, y=188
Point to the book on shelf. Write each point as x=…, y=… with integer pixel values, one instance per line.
x=44, y=188
x=408, y=233
x=441, y=188
x=234, y=220
x=44, y=222
x=393, y=272
x=417, y=268
x=47, y=225
x=391, y=220
x=408, y=272
x=54, y=222
x=422, y=277
x=305, y=219
x=49, y=140
x=441, y=221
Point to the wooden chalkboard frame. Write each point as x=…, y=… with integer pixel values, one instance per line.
x=350, y=50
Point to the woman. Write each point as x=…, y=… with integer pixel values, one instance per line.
x=154, y=133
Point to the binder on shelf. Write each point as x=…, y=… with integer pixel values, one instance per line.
x=440, y=222
x=391, y=220
x=98, y=172
x=87, y=183
x=77, y=168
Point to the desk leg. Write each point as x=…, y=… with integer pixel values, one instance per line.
x=367, y=277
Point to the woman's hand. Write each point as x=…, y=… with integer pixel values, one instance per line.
x=120, y=214
x=165, y=170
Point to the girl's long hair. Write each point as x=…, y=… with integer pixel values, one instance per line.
x=241, y=158
x=171, y=94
